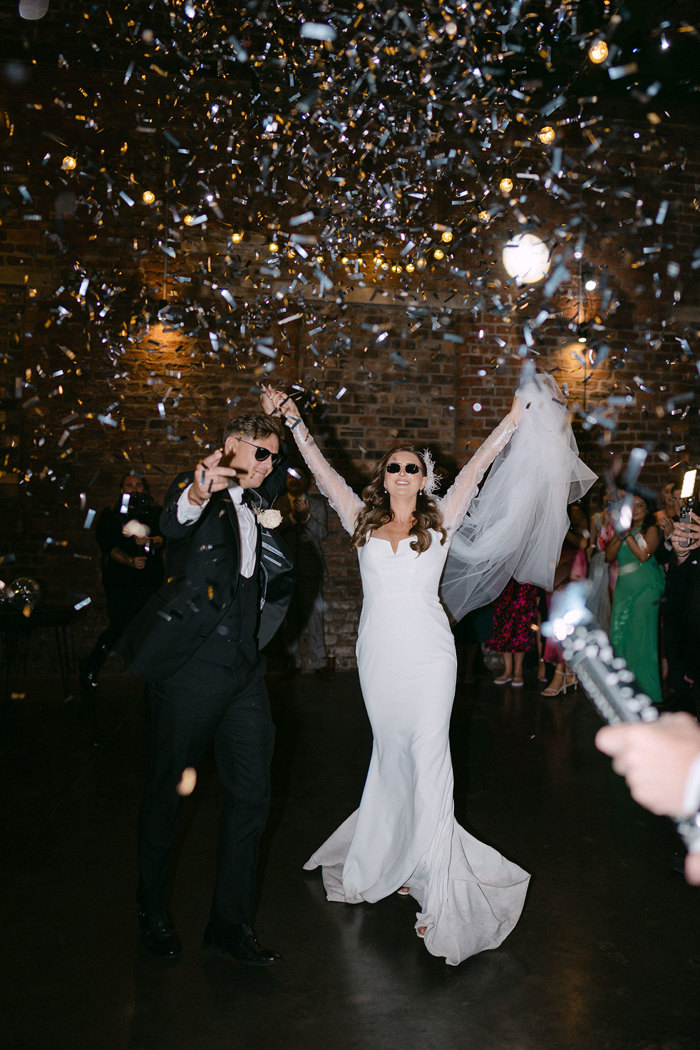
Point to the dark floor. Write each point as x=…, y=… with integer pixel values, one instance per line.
x=606, y=955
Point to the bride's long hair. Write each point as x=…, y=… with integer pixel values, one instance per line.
x=377, y=509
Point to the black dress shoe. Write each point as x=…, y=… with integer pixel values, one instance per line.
x=159, y=936
x=243, y=945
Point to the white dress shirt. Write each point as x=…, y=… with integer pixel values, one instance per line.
x=187, y=513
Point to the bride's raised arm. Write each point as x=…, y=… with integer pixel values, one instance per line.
x=455, y=503
x=342, y=499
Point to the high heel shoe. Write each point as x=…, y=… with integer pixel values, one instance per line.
x=553, y=690
x=571, y=680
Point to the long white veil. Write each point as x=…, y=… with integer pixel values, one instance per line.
x=516, y=525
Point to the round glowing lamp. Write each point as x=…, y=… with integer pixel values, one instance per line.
x=506, y=186
x=69, y=163
x=446, y=236
x=546, y=135
x=148, y=197
x=526, y=258
x=237, y=237
x=598, y=52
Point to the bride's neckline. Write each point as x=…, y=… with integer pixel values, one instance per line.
x=383, y=539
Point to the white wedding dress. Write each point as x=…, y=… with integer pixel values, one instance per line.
x=404, y=832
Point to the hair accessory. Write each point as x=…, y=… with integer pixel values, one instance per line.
x=432, y=482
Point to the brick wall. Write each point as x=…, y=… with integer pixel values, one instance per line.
x=435, y=361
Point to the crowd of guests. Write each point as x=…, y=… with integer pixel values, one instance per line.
x=642, y=588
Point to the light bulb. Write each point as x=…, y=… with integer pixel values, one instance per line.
x=148, y=197
x=546, y=134
x=69, y=163
x=237, y=237
x=446, y=236
x=506, y=185
x=598, y=51
x=526, y=258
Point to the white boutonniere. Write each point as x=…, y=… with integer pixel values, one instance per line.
x=269, y=519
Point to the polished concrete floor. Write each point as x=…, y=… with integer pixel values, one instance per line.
x=606, y=955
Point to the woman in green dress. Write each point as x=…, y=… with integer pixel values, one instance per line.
x=634, y=622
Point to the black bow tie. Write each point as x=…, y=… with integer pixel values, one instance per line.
x=251, y=499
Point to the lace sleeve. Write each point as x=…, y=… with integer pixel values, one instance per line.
x=342, y=499
x=455, y=503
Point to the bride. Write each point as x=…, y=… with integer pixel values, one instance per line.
x=404, y=838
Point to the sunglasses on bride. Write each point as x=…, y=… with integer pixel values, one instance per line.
x=410, y=468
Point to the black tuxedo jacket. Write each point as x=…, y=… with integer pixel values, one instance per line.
x=202, y=578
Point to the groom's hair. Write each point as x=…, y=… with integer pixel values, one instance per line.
x=254, y=427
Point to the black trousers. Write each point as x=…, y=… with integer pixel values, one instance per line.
x=228, y=704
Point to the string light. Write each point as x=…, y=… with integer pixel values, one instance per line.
x=546, y=134
x=598, y=51
x=446, y=236
x=148, y=197
x=506, y=185
x=188, y=220
x=69, y=163
x=438, y=254
x=274, y=247
x=237, y=237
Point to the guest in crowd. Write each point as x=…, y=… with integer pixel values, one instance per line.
x=514, y=629
x=602, y=573
x=304, y=527
x=572, y=565
x=669, y=510
x=673, y=602
x=684, y=630
x=128, y=535
x=634, y=624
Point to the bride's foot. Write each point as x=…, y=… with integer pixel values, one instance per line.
x=403, y=890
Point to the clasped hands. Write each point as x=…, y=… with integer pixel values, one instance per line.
x=275, y=401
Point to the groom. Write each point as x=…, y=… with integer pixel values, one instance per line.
x=196, y=643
